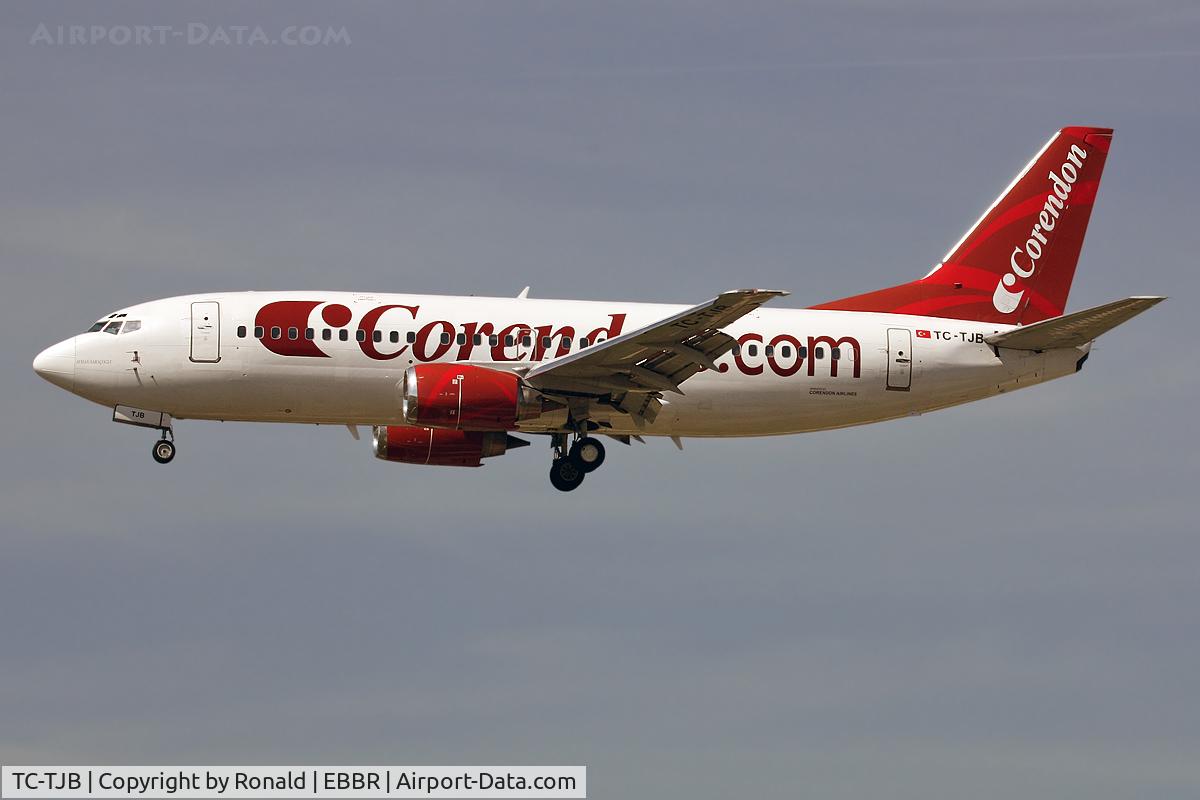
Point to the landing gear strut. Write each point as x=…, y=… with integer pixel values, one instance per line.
x=164, y=449
x=571, y=466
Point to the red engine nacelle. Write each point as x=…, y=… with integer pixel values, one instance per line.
x=466, y=397
x=440, y=446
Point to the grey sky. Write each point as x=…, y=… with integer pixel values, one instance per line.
x=992, y=601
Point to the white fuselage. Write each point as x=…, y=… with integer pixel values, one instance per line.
x=198, y=357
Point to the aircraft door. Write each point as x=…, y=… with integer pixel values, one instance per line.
x=899, y=373
x=206, y=332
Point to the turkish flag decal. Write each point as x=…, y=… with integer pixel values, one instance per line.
x=922, y=334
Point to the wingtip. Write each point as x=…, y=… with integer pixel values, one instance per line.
x=760, y=292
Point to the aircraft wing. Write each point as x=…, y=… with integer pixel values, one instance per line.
x=1072, y=330
x=637, y=367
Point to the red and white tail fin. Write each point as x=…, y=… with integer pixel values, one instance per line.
x=1015, y=265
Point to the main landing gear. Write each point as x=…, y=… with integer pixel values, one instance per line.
x=571, y=466
x=164, y=449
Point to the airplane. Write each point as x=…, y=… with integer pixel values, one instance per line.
x=449, y=380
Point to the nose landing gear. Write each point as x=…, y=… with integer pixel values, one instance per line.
x=163, y=450
x=571, y=466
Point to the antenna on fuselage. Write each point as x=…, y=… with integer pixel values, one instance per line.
x=524, y=293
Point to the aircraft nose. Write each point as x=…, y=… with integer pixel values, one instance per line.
x=57, y=364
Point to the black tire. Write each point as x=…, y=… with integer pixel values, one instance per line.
x=163, y=451
x=566, y=474
x=588, y=453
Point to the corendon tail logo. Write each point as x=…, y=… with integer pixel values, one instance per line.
x=287, y=328
x=1024, y=260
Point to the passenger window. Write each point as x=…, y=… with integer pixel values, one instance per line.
x=241, y=331
x=276, y=332
x=583, y=343
x=752, y=349
x=293, y=334
x=526, y=341
x=445, y=338
x=477, y=339
x=377, y=336
x=310, y=334
x=769, y=350
x=804, y=352
x=132, y=325
x=545, y=341
x=566, y=344
x=258, y=331
x=113, y=327
x=394, y=337
x=461, y=338
x=410, y=337
x=819, y=352
x=326, y=334
x=785, y=351
x=509, y=341
x=737, y=350
x=360, y=335
x=343, y=335
x=493, y=340
x=835, y=353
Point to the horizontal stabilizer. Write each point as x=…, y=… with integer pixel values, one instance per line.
x=1073, y=330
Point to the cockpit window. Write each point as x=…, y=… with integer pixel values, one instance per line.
x=112, y=324
x=131, y=325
